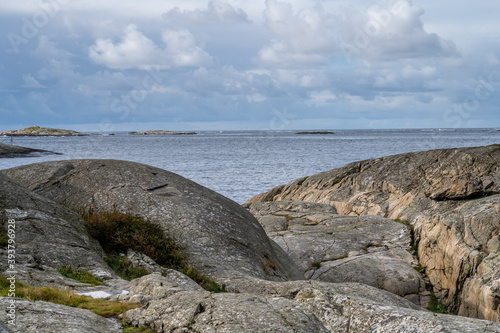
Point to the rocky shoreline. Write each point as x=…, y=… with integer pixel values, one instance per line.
x=9, y=151
x=363, y=248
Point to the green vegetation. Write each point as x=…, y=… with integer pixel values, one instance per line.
x=405, y=222
x=419, y=268
x=117, y=232
x=436, y=306
x=99, y=306
x=124, y=268
x=130, y=329
x=80, y=275
x=316, y=264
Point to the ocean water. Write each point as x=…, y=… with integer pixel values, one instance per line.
x=241, y=164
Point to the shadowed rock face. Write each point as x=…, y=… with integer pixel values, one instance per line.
x=450, y=197
x=47, y=235
x=220, y=238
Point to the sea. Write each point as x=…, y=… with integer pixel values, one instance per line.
x=242, y=164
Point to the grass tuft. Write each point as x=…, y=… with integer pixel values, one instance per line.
x=80, y=275
x=99, y=306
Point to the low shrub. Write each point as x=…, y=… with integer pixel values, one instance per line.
x=117, y=232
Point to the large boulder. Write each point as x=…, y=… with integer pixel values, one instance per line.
x=451, y=198
x=47, y=236
x=336, y=248
x=219, y=237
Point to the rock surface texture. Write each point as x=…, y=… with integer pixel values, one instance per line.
x=450, y=196
x=47, y=237
x=220, y=238
x=335, y=248
x=297, y=306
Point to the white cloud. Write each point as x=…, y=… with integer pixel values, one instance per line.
x=135, y=50
x=31, y=82
x=216, y=11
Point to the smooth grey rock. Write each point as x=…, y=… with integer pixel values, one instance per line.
x=156, y=286
x=44, y=317
x=220, y=238
x=354, y=307
x=201, y=311
x=47, y=235
x=368, y=249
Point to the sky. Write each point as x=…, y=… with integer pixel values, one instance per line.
x=117, y=65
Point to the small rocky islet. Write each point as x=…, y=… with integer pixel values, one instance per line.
x=42, y=131
x=163, y=132
x=363, y=248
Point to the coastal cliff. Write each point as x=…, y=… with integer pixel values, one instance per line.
x=266, y=290
x=451, y=199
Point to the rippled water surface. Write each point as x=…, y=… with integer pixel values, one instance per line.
x=242, y=164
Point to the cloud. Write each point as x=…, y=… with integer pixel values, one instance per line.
x=135, y=50
x=31, y=82
x=216, y=12
x=395, y=32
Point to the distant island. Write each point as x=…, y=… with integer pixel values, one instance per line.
x=315, y=132
x=163, y=132
x=42, y=131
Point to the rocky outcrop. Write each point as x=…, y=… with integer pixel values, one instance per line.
x=335, y=248
x=237, y=243
x=7, y=151
x=449, y=196
x=220, y=238
x=163, y=132
x=42, y=131
x=47, y=236
x=44, y=317
x=298, y=306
